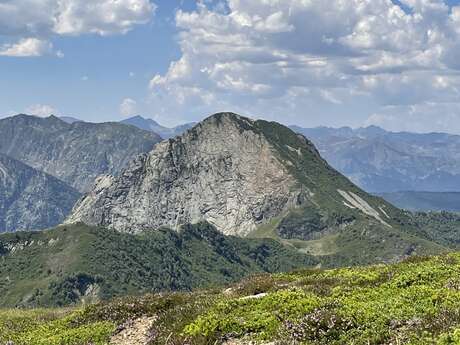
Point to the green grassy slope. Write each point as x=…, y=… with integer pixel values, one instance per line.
x=442, y=227
x=327, y=225
x=367, y=242
x=77, y=263
x=413, y=302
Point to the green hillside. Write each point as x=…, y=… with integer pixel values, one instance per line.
x=413, y=302
x=73, y=264
x=337, y=221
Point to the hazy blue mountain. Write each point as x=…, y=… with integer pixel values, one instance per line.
x=30, y=199
x=69, y=119
x=153, y=126
x=75, y=153
x=381, y=161
x=424, y=201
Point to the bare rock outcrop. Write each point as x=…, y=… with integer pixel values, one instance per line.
x=221, y=171
x=235, y=173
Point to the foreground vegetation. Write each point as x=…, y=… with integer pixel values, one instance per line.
x=413, y=302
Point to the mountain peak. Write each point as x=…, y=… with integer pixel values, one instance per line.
x=371, y=130
x=75, y=153
x=137, y=117
x=142, y=119
x=25, y=120
x=228, y=118
x=229, y=170
x=227, y=115
x=153, y=126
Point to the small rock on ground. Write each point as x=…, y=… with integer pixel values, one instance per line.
x=134, y=332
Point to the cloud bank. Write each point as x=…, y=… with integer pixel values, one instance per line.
x=302, y=60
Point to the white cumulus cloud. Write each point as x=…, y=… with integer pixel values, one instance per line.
x=128, y=107
x=103, y=17
x=27, y=47
x=40, y=20
x=42, y=110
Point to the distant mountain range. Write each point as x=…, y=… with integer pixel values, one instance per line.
x=47, y=162
x=153, y=126
x=377, y=160
x=380, y=161
x=69, y=119
x=424, y=201
x=75, y=153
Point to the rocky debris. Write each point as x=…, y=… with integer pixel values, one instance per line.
x=260, y=295
x=355, y=201
x=134, y=332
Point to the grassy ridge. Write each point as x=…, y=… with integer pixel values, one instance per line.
x=325, y=226
x=368, y=242
x=413, y=302
x=73, y=264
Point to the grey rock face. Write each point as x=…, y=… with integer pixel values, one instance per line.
x=75, y=153
x=215, y=172
x=30, y=199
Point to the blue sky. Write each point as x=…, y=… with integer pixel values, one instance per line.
x=96, y=72
x=309, y=63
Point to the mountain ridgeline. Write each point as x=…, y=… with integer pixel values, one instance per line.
x=75, y=153
x=252, y=179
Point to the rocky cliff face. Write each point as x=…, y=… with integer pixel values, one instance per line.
x=30, y=199
x=233, y=172
x=218, y=171
x=75, y=153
